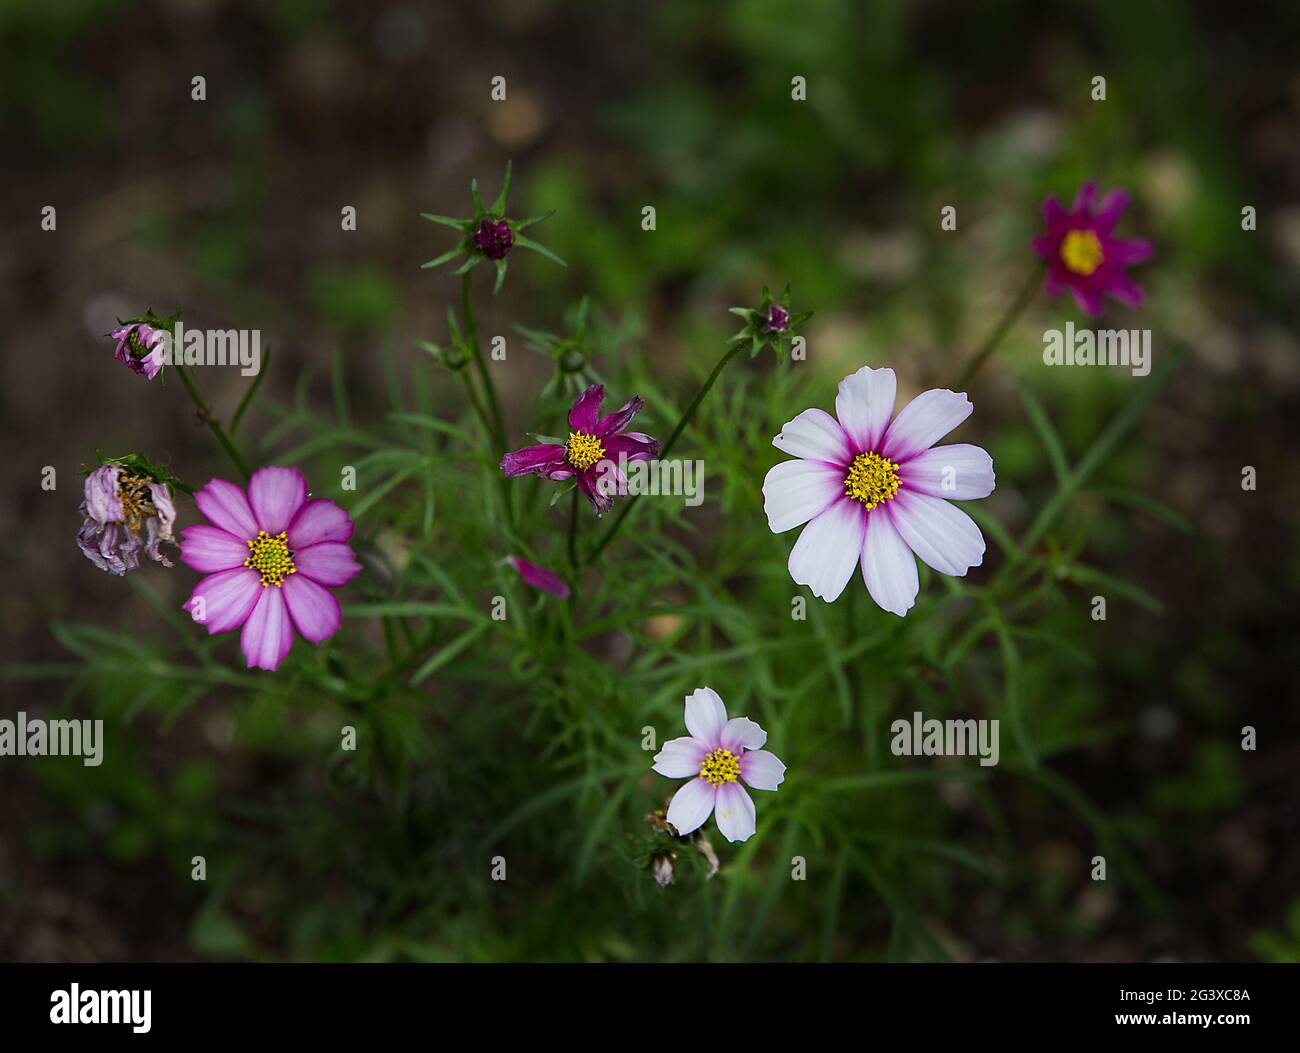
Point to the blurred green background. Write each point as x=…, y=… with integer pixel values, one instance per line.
x=229, y=209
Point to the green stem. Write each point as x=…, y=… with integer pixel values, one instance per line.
x=1004, y=325
x=206, y=416
x=573, y=535
x=489, y=389
x=672, y=441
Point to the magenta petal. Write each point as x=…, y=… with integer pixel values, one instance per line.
x=585, y=412
x=319, y=521
x=635, y=446
x=209, y=549
x=276, y=494
x=267, y=634
x=620, y=418
x=225, y=505
x=315, y=611
x=540, y=577
x=1083, y=199
x=542, y=458
x=223, y=601
x=1109, y=211
x=328, y=563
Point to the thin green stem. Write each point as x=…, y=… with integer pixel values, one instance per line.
x=573, y=534
x=1000, y=330
x=249, y=394
x=489, y=389
x=206, y=416
x=672, y=441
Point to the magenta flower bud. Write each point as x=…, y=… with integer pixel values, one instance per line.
x=539, y=577
x=494, y=239
x=141, y=347
x=123, y=512
x=778, y=319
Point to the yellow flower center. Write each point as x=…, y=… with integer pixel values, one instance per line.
x=271, y=558
x=137, y=501
x=1081, y=252
x=872, y=479
x=583, y=450
x=720, y=766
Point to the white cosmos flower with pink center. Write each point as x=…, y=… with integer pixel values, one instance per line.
x=715, y=756
x=876, y=493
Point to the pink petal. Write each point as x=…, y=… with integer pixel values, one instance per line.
x=542, y=457
x=583, y=415
x=762, y=770
x=741, y=733
x=680, y=758
x=735, y=812
x=828, y=549
x=228, y=599
x=888, y=565
x=942, y=534
x=924, y=421
x=691, y=806
x=209, y=549
x=329, y=563
x=319, y=521
x=705, y=716
x=267, y=634
x=816, y=436
x=864, y=405
x=540, y=577
x=276, y=494
x=966, y=470
x=226, y=506
x=796, y=491
x=315, y=611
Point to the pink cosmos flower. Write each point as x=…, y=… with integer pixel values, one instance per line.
x=1084, y=256
x=874, y=492
x=596, y=447
x=540, y=577
x=270, y=557
x=140, y=347
x=715, y=756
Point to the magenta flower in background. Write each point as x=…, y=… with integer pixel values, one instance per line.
x=124, y=511
x=540, y=577
x=876, y=493
x=140, y=346
x=716, y=755
x=271, y=557
x=595, y=448
x=1083, y=254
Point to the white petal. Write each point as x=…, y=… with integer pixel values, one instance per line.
x=691, y=805
x=960, y=472
x=864, y=404
x=680, y=758
x=735, y=812
x=795, y=491
x=705, y=715
x=924, y=421
x=828, y=549
x=742, y=733
x=888, y=565
x=941, y=534
x=816, y=436
x=762, y=769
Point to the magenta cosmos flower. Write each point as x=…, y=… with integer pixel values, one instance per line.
x=271, y=557
x=715, y=756
x=874, y=492
x=141, y=347
x=597, y=448
x=1084, y=256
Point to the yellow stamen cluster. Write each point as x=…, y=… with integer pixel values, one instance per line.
x=136, y=500
x=583, y=450
x=720, y=766
x=872, y=479
x=1081, y=252
x=271, y=558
